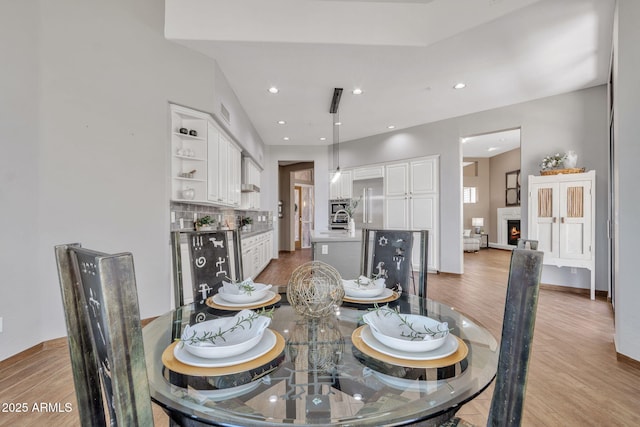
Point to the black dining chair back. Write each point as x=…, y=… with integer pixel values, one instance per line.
x=105, y=337
x=518, y=324
x=388, y=254
x=214, y=256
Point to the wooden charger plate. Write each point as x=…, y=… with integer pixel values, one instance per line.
x=173, y=364
x=460, y=354
x=211, y=303
x=394, y=296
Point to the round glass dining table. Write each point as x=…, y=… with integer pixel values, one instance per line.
x=323, y=375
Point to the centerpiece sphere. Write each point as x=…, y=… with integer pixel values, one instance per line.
x=315, y=289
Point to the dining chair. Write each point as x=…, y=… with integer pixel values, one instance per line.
x=518, y=324
x=388, y=253
x=213, y=256
x=105, y=337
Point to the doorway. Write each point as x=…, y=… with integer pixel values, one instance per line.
x=296, y=195
x=491, y=181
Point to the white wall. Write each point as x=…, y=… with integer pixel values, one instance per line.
x=85, y=125
x=627, y=129
x=574, y=121
x=19, y=176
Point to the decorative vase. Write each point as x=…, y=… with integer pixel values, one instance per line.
x=315, y=289
x=571, y=160
x=188, y=194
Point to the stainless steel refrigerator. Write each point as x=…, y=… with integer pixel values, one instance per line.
x=370, y=196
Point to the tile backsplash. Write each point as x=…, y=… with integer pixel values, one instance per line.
x=183, y=216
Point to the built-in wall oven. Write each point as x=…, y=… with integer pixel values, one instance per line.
x=338, y=220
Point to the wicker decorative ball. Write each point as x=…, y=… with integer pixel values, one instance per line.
x=315, y=289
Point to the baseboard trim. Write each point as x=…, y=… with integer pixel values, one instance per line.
x=580, y=291
x=627, y=360
x=44, y=345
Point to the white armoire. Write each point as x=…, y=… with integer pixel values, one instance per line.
x=562, y=219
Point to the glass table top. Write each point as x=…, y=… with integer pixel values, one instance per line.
x=320, y=377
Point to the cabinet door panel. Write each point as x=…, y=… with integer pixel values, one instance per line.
x=396, y=213
x=213, y=142
x=575, y=219
x=424, y=178
x=422, y=212
x=396, y=180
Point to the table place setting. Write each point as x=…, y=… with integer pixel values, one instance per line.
x=247, y=294
x=225, y=345
x=408, y=340
x=364, y=290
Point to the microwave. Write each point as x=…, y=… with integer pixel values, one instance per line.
x=341, y=220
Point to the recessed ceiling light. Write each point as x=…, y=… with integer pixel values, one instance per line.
x=492, y=148
x=286, y=138
x=391, y=127
x=464, y=140
x=459, y=85
x=357, y=91
x=337, y=123
x=323, y=139
x=281, y=122
x=273, y=89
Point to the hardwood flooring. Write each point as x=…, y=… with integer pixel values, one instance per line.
x=574, y=377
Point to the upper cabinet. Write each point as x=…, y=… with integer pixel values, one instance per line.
x=412, y=200
x=205, y=162
x=251, y=182
x=561, y=219
x=188, y=155
x=341, y=188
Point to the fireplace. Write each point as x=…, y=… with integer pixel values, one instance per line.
x=513, y=231
x=504, y=218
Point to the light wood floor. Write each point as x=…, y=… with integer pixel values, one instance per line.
x=574, y=377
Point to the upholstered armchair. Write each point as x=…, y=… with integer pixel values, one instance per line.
x=470, y=242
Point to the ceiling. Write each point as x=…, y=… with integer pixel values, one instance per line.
x=490, y=144
x=406, y=56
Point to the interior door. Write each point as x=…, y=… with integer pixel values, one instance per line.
x=297, y=191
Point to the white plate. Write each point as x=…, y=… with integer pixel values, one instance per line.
x=267, y=342
x=217, y=298
x=224, y=393
x=386, y=293
x=449, y=347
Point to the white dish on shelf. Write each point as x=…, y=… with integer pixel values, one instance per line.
x=406, y=332
x=267, y=342
x=243, y=331
x=386, y=293
x=217, y=298
x=449, y=347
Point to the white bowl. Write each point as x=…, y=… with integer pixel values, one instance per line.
x=241, y=336
x=232, y=293
x=387, y=326
x=363, y=287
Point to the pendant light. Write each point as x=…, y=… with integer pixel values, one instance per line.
x=333, y=109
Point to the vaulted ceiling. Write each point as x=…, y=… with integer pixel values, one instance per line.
x=405, y=56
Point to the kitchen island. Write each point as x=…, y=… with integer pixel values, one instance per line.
x=339, y=249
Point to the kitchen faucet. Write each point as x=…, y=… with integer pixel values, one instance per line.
x=335, y=216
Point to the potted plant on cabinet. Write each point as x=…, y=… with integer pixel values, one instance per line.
x=206, y=223
x=246, y=222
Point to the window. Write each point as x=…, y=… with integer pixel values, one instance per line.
x=470, y=195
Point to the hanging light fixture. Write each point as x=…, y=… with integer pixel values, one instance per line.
x=333, y=109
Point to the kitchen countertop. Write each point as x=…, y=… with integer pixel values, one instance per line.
x=335, y=236
x=244, y=234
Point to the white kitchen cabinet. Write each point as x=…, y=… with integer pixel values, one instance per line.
x=256, y=253
x=368, y=172
x=561, y=219
x=342, y=188
x=412, y=201
x=251, y=180
x=224, y=168
x=188, y=155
